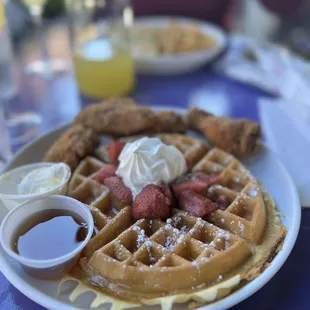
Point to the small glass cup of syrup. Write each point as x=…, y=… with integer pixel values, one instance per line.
x=46, y=235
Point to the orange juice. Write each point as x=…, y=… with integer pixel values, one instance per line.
x=103, y=70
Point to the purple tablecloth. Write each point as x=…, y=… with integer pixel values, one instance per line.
x=58, y=103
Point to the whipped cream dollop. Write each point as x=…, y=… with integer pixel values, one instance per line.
x=42, y=180
x=149, y=161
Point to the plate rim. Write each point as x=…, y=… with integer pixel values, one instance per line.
x=233, y=299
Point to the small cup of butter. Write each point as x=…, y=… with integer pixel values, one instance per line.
x=32, y=181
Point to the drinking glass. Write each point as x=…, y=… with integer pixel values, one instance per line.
x=102, y=60
x=21, y=124
x=45, y=67
x=5, y=149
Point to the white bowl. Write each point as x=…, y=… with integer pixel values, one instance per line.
x=45, y=268
x=183, y=63
x=16, y=175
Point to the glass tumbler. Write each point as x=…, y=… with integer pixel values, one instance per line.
x=101, y=49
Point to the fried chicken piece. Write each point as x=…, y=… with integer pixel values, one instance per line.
x=117, y=117
x=73, y=145
x=239, y=137
x=169, y=122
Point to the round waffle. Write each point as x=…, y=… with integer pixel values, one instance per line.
x=146, y=259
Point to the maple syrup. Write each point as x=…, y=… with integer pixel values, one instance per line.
x=50, y=234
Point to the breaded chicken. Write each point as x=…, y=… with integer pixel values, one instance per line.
x=239, y=137
x=117, y=117
x=169, y=122
x=73, y=145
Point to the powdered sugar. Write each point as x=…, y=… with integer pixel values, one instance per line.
x=227, y=160
x=199, y=222
x=169, y=244
x=212, y=243
x=168, y=227
x=241, y=226
x=148, y=245
x=176, y=220
x=237, y=179
x=184, y=229
x=252, y=192
x=141, y=236
x=195, y=264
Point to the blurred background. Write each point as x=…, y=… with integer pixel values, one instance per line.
x=57, y=56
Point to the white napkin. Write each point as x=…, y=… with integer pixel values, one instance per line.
x=273, y=68
x=288, y=134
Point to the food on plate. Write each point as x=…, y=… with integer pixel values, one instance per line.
x=170, y=122
x=131, y=118
x=173, y=39
x=33, y=180
x=116, y=117
x=175, y=221
x=151, y=204
x=149, y=161
x=179, y=39
x=105, y=172
x=184, y=227
x=114, y=150
x=119, y=190
x=193, y=149
x=42, y=180
x=74, y=144
x=239, y=137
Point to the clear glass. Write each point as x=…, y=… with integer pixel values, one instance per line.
x=5, y=149
x=21, y=124
x=44, y=67
x=100, y=43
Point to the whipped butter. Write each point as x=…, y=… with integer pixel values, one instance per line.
x=149, y=161
x=42, y=180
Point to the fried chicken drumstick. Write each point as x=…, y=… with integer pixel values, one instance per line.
x=237, y=136
x=73, y=145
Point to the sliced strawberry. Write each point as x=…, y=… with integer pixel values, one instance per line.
x=197, y=187
x=168, y=193
x=119, y=190
x=114, y=149
x=105, y=172
x=209, y=179
x=151, y=204
x=196, y=204
x=223, y=202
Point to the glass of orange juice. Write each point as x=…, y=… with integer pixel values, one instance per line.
x=101, y=49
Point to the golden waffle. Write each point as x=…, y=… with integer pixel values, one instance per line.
x=193, y=149
x=246, y=214
x=144, y=261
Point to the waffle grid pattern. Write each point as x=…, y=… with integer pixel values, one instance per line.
x=245, y=216
x=147, y=254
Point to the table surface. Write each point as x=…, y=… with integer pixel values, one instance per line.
x=58, y=102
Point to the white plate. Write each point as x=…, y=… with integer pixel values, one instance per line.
x=265, y=166
x=175, y=64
